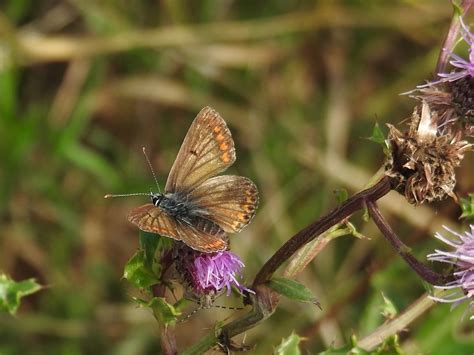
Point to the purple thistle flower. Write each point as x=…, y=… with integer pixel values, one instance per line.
x=464, y=68
x=215, y=271
x=462, y=258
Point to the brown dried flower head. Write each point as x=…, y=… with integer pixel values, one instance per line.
x=422, y=161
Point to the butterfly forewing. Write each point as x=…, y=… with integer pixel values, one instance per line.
x=207, y=150
x=231, y=201
x=151, y=219
x=203, y=235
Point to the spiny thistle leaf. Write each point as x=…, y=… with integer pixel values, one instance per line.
x=379, y=137
x=138, y=272
x=389, y=311
x=292, y=289
x=164, y=312
x=289, y=346
x=11, y=292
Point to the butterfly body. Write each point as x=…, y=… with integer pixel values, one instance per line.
x=176, y=205
x=198, y=207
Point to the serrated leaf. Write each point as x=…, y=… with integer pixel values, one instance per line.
x=138, y=273
x=289, y=346
x=292, y=289
x=164, y=312
x=467, y=206
x=11, y=292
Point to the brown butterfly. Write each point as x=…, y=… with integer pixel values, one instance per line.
x=198, y=207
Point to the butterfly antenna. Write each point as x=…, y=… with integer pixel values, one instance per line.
x=151, y=168
x=228, y=307
x=127, y=195
x=189, y=315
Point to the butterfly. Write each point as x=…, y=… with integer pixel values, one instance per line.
x=199, y=207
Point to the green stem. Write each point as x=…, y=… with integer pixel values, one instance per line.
x=397, y=325
x=204, y=344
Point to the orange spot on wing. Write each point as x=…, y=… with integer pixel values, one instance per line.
x=217, y=245
x=217, y=129
x=220, y=137
x=223, y=146
x=241, y=217
x=225, y=157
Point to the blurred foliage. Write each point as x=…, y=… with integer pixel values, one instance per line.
x=84, y=85
x=467, y=206
x=11, y=292
x=289, y=346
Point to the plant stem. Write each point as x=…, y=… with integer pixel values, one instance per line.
x=450, y=40
x=167, y=335
x=422, y=270
x=396, y=325
x=347, y=208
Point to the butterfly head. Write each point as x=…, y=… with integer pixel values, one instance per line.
x=156, y=198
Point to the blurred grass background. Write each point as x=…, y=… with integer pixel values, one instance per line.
x=85, y=84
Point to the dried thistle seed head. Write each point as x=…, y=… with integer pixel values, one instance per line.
x=422, y=163
x=439, y=105
x=463, y=98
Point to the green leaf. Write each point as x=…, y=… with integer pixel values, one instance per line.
x=289, y=346
x=11, y=292
x=341, y=195
x=379, y=137
x=391, y=345
x=467, y=206
x=164, y=312
x=138, y=273
x=389, y=311
x=337, y=351
x=181, y=304
x=292, y=289
x=149, y=243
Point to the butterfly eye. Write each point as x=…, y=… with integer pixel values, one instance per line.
x=156, y=199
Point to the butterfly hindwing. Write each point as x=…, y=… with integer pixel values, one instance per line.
x=231, y=201
x=203, y=235
x=207, y=150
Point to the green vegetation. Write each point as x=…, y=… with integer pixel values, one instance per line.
x=85, y=84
